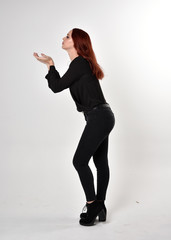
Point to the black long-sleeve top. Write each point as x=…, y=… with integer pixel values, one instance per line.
x=84, y=87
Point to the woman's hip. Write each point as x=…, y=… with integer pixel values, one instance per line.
x=102, y=117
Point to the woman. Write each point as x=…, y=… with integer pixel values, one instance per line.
x=82, y=79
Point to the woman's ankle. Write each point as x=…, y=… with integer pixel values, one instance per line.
x=89, y=202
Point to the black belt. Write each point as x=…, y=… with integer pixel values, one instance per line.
x=104, y=105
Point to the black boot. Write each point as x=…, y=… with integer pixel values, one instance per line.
x=94, y=209
x=101, y=219
x=84, y=214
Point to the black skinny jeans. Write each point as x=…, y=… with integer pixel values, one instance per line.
x=94, y=143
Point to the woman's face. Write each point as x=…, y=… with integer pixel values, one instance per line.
x=68, y=41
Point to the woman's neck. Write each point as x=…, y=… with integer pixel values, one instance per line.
x=72, y=54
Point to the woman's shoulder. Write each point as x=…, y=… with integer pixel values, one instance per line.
x=81, y=64
x=79, y=60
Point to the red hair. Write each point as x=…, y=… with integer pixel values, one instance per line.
x=82, y=44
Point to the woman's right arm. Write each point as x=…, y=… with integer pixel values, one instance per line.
x=57, y=83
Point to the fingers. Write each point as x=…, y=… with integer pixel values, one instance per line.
x=40, y=58
x=36, y=55
x=43, y=58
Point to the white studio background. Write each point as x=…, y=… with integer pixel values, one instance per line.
x=40, y=130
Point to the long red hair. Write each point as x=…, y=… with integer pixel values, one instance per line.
x=82, y=44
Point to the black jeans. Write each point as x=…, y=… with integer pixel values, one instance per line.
x=94, y=143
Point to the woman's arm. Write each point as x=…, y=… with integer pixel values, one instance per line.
x=57, y=83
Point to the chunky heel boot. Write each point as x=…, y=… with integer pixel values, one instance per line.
x=102, y=216
x=101, y=219
x=94, y=209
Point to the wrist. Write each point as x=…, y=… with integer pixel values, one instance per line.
x=50, y=64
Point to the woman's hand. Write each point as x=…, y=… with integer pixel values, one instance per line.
x=44, y=59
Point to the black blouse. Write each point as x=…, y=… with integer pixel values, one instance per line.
x=84, y=87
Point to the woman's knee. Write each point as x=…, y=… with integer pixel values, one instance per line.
x=78, y=162
x=74, y=162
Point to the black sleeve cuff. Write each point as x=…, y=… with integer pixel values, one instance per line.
x=52, y=68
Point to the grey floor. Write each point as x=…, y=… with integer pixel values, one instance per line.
x=134, y=221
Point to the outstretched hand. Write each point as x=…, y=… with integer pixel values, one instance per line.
x=44, y=59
